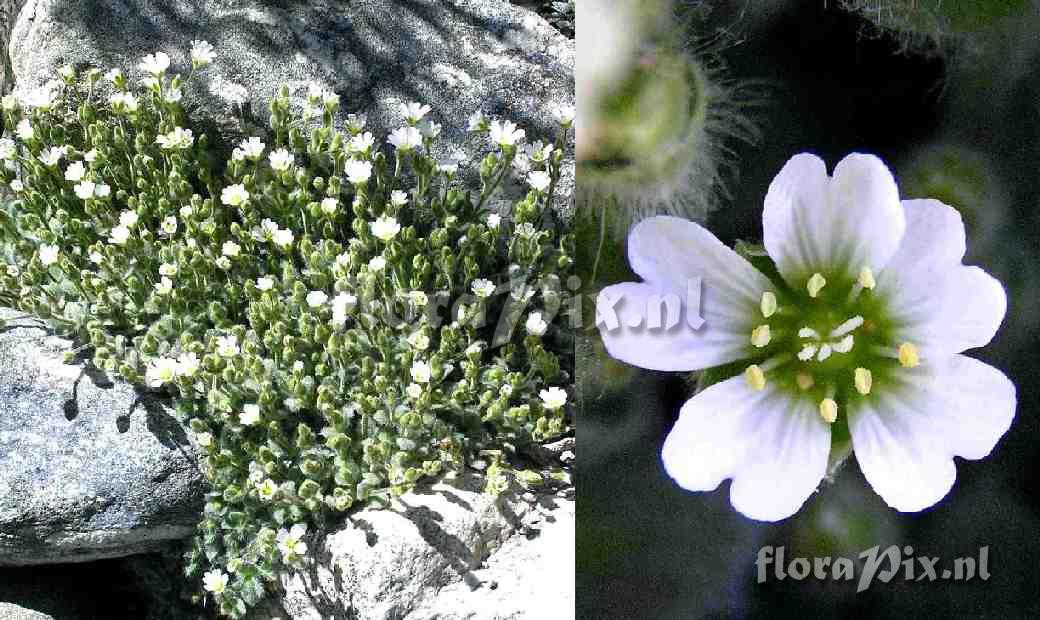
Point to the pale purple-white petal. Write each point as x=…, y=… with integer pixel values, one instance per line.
x=773, y=444
x=907, y=432
x=815, y=223
x=670, y=254
x=939, y=304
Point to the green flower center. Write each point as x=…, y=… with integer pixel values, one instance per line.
x=830, y=339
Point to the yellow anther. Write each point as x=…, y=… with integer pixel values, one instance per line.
x=815, y=284
x=804, y=380
x=756, y=379
x=866, y=278
x=908, y=355
x=760, y=336
x=828, y=410
x=864, y=380
x=768, y=304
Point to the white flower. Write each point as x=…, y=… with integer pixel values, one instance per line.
x=361, y=142
x=264, y=284
x=173, y=95
x=215, y=581
x=505, y=133
x=96, y=257
x=252, y=148
x=418, y=298
x=119, y=235
x=853, y=258
x=48, y=255
x=526, y=230
x=155, y=64
x=90, y=155
x=358, y=172
x=414, y=111
x=506, y=390
x=7, y=149
x=564, y=114
x=168, y=269
x=84, y=189
x=234, y=195
x=52, y=156
x=16, y=186
x=128, y=218
x=539, y=180
x=493, y=221
x=342, y=305
x=227, y=346
x=385, y=228
x=230, y=249
x=75, y=171
x=477, y=121
x=429, y=129
x=201, y=53
x=187, y=364
x=43, y=96
x=414, y=390
x=123, y=102
x=398, y=198
x=535, y=324
x=164, y=286
x=204, y=439
x=329, y=205
x=113, y=74
x=8, y=103
x=179, y=138
x=283, y=237
x=267, y=490
x=102, y=190
x=250, y=415
x=281, y=160
x=421, y=371
x=24, y=130
x=316, y=299
x=377, y=264
x=553, y=398
x=483, y=288
x=405, y=138
x=169, y=225
x=356, y=122
x=160, y=371
x=290, y=542
x=447, y=167
x=419, y=341
x=538, y=152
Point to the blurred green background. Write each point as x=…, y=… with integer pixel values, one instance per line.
x=952, y=104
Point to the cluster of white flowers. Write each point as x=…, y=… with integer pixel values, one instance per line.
x=178, y=139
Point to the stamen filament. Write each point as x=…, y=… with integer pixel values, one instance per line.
x=825, y=352
x=847, y=327
x=807, y=352
x=808, y=332
x=844, y=345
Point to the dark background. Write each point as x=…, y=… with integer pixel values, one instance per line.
x=833, y=84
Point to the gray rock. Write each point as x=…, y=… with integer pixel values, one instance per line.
x=88, y=469
x=10, y=611
x=447, y=548
x=459, y=56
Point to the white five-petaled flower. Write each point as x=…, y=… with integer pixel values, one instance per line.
x=342, y=305
x=168, y=269
x=421, y=371
x=8, y=103
x=121, y=101
x=405, y=138
x=48, y=255
x=128, y=218
x=24, y=130
x=264, y=284
x=204, y=439
x=178, y=139
x=119, y=235
x=414, y=390
x=414, y=111
x=164, y=286
x=329, y=205
x=429, y=129
x=160, y=371
x=867, y=329
x=358, y=172
x=168, y=226
x=188, y=364
x=553, y=398
x=483, y=288
x=75, y=171
x=419, y=340
x=290, y=542
x=283, y=237
x=234, y=195
x=155, y=64
x=281, y=160
x=398, y=198
x=52, y=156
x=378, y=263
x=252, y=148
x=493, y=220
x=84, y=189
x=539, y=180
x=201, y=53
x=317, y=299
x=215, y=581
x=230, y=249
x=477, y=121
x=385, y=228
x=250, y=415
x=564, y=114
x=7, y=149
x=267, y=489
x=43, y=96
x=227, y=346
x=173, y=95
x=536, y=325
x=505, y=133
x=361, y=143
